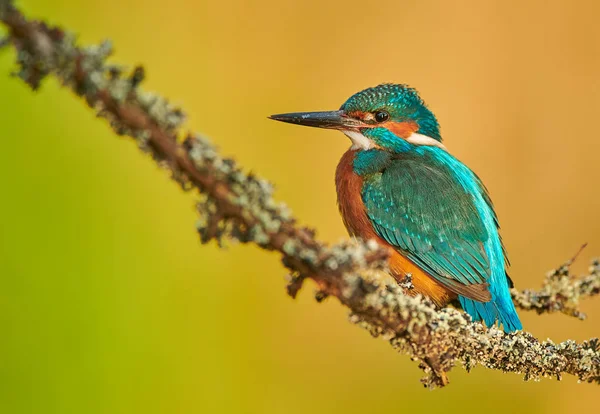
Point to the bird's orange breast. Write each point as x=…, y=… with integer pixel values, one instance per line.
x=349, y=188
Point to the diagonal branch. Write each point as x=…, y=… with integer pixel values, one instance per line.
x=237, y=205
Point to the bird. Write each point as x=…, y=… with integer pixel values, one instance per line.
x=399, y=185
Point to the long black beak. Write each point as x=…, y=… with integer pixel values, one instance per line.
x=328, y=119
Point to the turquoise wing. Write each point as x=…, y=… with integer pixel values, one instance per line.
x=423, y=210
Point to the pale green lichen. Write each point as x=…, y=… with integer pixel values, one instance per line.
x=442, y=338
x=561, y=291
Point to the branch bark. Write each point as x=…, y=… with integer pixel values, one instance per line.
x=233, y=204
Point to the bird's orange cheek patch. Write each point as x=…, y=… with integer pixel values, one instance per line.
x=401, y=129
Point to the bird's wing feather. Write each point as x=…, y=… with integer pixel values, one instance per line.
x=423, y=211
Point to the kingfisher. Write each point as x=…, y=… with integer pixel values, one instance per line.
x=399, y=185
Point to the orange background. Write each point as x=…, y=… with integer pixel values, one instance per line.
x=109, y=305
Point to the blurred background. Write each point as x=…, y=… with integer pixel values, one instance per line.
x=108, y=303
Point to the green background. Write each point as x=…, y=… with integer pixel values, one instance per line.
x=108, y=303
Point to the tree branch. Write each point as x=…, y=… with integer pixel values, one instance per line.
x=560, y=292
x=237, y=205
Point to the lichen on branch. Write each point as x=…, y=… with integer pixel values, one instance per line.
x=234, y=204
x=560, y=292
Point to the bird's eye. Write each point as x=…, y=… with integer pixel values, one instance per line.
x=381, y=116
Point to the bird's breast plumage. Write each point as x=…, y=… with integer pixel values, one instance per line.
x=349, y=186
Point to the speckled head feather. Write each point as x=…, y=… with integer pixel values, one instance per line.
x=401, y=102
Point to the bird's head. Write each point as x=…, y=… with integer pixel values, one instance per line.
x=386, y=116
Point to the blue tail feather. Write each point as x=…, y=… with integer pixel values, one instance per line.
x=489, y=312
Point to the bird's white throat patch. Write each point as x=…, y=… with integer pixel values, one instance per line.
x=359, y=141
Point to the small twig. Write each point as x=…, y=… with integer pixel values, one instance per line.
x=576, y=255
